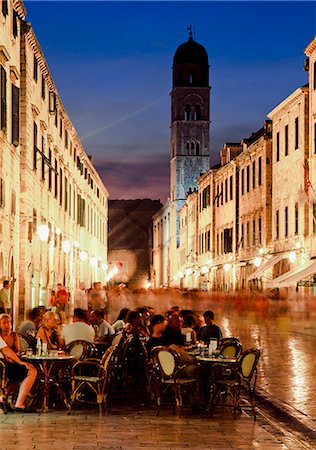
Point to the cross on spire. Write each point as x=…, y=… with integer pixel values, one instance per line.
x=190, y=28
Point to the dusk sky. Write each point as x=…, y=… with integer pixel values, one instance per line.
x=111, y=62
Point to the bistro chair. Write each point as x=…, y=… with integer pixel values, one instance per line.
x=241, y=384
x=3, y=383
x=93, y=376
x=80, y=349
x=167, y=377
x=230, y=347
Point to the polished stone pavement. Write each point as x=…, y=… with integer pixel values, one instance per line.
x=136, y=430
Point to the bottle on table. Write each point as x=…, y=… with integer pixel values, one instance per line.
x=39, y=347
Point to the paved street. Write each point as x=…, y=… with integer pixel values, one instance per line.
x=285, y=333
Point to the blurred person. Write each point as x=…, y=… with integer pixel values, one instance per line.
x=98, y=299
x=175, y=310
x=5, y=303
x=158, y=323
x=79, y=329
x=17, y=372
x=10, y=337
x=50, y=331
x=62, y=300
x=120, y=322
x=104, y=330
x=28, y=328
x=199, y=324
x=145, y=326
x=52, y=299
x=172, y=333
x=81, y=297
x=133, y=322
x=210, y=331
x=187, y=329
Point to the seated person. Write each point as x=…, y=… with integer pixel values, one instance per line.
x=172, y=333
x=104, y=330
x=17, y=371
x=158, y=324
x=50, y=332
x=10, y=337
x=144, y=322
x=187, y=329
x=79, y=329
x=133, y=322
x=120, y=322
x=28, y=329
x=211, y=330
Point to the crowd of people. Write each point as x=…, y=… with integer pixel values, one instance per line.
x=176, y=328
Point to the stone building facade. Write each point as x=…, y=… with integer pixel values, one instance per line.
x=47, y=180
x=255, y=213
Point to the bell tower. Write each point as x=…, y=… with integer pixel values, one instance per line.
x=190, y=120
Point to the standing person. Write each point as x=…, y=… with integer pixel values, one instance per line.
x=81, y=297
x=52, y=300
x=98, y=299
x=211, y=330
x=5, y=304
x=62, y=298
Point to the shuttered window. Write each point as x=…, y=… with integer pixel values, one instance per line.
x=35, y=68
x=15, y=115
x=34, y=146
x=14, y=24
x=50, y=169
x=3, y=104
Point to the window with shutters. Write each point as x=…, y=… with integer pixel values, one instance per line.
x=242, y=181
x=277, y=147
x=248, y=234
x=242, y=236
x=286, y=221
x=253, y=174
x=66, y=139
x=277, y=225
x=248, y=178
x=296, y=133
x=56, y=179
x=56, y=118
x=14, y=23
x=60, y=187
x=259, y=171
x=2, y=193
x=231, y=187
x=43, y=158
x=66, y=195
x=222, y=194
x=226, y=190
x=35, y=68
x=43, y=87
x=35, y=149
x=13, y=202
x=5, y=9
x=296, y=218
x=228, y=240
x=286, y=140
x=15, y=115
x=50, y=170
x=254, y=233
x=259, y=231
x=60, y=127
x=70, y=199
x=3, y=104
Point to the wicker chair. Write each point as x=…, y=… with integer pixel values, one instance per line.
x=3, y=383
x=167, y=370
x=94, y=376
x=240, y=385
x=230, y=347
x=80, y=349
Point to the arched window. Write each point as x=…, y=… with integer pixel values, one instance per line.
x=197, y=148
x=192, y=148
x=187, y=113
x=187, y=147
x=197, y=113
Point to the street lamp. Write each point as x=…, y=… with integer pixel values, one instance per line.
x=83, y=255
x=66, y=246
x=257, y=261
x=292, y=257
x=227, y=267
x=43, y=232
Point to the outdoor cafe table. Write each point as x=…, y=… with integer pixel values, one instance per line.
x=48, y=377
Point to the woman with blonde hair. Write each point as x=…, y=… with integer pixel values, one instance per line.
x=10, y=337
x=50, y=332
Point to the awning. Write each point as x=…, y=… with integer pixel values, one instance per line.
x=265, y=266
x=292, y=277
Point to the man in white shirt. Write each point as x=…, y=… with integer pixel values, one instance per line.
x=79, y=329
x=18, y=371
x=105, y=330
x=81, y=297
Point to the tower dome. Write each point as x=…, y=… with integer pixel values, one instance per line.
x=190, y=65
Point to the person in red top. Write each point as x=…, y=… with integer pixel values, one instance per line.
x=62, y=298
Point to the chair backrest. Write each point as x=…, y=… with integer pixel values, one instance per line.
x=80, y=349
x=167, y=360
x=106, y=358
x=117, y=338
x=247, y=363
x=230, y=349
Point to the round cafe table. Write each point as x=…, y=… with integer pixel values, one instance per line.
x=50, y=373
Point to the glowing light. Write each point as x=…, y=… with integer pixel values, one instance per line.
x=180, y=275
x=57, y=231
x=115, y=270
x=66, y=246
x=43, y=232
x=298, y=245
x=104, y=267
x=227, y=267
x=100, y=258
x=93, y=261
x=204, y=269
x=76, y=244
x=261, y=251
x=83, y=255
x=209, y=261
x=292, y=257
x=257, y=261
x=188, y=272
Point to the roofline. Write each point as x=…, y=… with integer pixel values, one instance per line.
x=311, y=47
x=288, y=100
